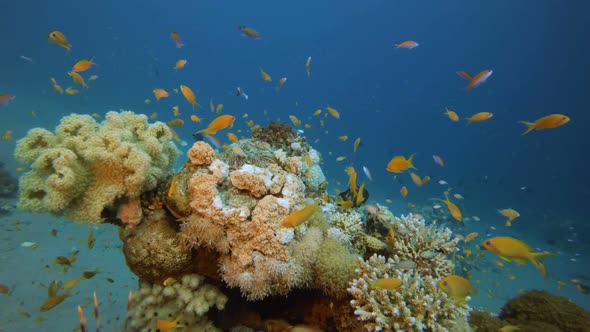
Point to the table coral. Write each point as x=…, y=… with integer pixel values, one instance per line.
x=417, y=305
x=187, y=301
x=87, y=167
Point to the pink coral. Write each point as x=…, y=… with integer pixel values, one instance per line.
x=130, y=213
x=253, y=179
x=201, y=153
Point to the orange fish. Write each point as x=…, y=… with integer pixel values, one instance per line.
x=77, y=78
x=357, y=142
x=167, y=325
x=333, y=112
x=547, y=122
x=195, y=118
x=60, y=39
x=470, y=237
x=176, y=38
x=219, y=123
x=6, y=99
x=387, y=283
x=416, y=179
x=479, y=117
x=180, y=64
x=453, y=209
x=452, y=115
x=511, y=214
x=408, y=44
x=56, y=86
x=7, y=136
x=266, y=77
x=71, y=91
x=189, y=95
x=281, y=83
x=480, y=78
x=160, y=93
x=232, y=137
x=456, y=287
x=399, y=164
x=83, y=65
x=300, y=216
x=249, y=32
x=509, y=248
x=404, y=191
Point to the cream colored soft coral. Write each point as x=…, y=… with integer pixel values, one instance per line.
x=201, y=153
x=86, y=167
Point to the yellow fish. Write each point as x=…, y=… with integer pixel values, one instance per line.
x=343, y=138
x=308, y=66
x=299, y=217
x=509, y=248
x=78, y=79
x=456, y=287
x=479, y=117
x=453, y=209
x=387, y=283
x=195, y=118
x=317, y=112
x=399, y=164
x=547, y=122
x=357, y=142
x=452, y=115
x=416, y=179
x=510, y=214
x=266, y=77
x=333, y=112
x=167, y=325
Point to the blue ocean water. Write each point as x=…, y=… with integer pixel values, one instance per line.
x=393, y=99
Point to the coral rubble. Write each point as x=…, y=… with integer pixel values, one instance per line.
x=85, y=168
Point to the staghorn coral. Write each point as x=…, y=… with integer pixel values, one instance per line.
x=86, y=168
x=186, y=301
x=427, y=246
x=417, y=305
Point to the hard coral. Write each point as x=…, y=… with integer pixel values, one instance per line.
x=417, y=305
x=154, y=252
x=86, y=167
x=186, y=301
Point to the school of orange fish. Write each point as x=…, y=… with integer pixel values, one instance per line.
x=506, y=248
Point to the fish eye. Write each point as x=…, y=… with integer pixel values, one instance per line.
x=445, y=283
x=488, y=243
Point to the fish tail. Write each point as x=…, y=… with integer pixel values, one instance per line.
x=508, y=223
x=468, y=121
x=411, y=161
x=530, y=126
x=536, y=258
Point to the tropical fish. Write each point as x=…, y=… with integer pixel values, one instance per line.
x=180, y=64
x=195, y=118
x=6, y=99
x=464, y=74
x=71, y=91
x=452, y=115
x=480, y=78
x=93, y=77
x=343, y=138
x=167, y=325
x=296, y=122
x=266, y=77
x=509, y=248
x=453, y=209
x=83, y=65
x=4, y=289
x=398, y=164
x=340, y=158
x=160, y=93
x=470, y=237
x=189, y=95
x=425, y=180
x=175, y=110
x=333, y=112
x=78, y=79
x=175, y=123
x=479, y=117
x=416, y=179
x=511, y=214
x=456, y=287
x=281, y=83
x=53, y=301
x=176, y=39
x=240, y=93
x=438, y=160
x=308, y=66
x=408, y=44
x=387, y=283
x=357, y=142
x=60, y=39
x=169, y=281
x=404, y=191
x=546, y=122
x=317, y=112
x=300, y=216
x=367, y=173
x=56, y=86
x=249, y=32
x=219, y=123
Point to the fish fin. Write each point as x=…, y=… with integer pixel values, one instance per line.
x=536, y=259
x=530, y=126
x=506, y=259
x=411, y=161
x=508, y=223
x=521, y=261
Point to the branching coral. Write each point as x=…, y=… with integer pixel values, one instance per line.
x=186, y=301
x=86, y=167
x=417, y=305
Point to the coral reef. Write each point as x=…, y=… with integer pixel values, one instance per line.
x=154, y=252
x=417, y=305
x=86, y=168
x=545, y=311
x=187, y=301
x=279, y=135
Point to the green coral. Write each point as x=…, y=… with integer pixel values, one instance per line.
x=87, y=167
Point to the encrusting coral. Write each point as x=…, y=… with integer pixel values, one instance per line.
x=186, y=301
x=86, y=168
